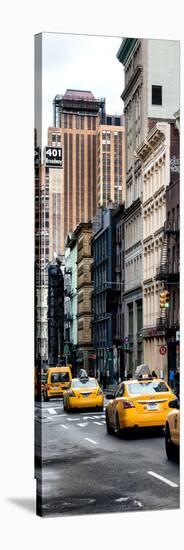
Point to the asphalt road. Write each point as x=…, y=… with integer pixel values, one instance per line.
x=86, y=471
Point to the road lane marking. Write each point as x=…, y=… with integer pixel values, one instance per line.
x=63, y=426
x=52, y=411
x=92, y=413
x=88, y=417
x=121, y=499
x=55, y=407
x=95, y=416
x=83, y=424
x=164, y=479
x=91, y=440
x=73, y=419
x=98, y=423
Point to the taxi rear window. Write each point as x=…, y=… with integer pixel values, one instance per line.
x=84, y=383
x=59, y=377
x=147, y=387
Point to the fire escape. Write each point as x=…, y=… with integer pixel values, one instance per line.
x=166, y=272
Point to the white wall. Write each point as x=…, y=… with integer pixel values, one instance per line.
x=164, y=70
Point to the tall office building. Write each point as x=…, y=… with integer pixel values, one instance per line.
x=111, y=161
x=93, y=157
x=78, y=114
x=55, y=198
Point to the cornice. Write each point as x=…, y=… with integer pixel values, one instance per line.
x=125, y=49
x=131, y=82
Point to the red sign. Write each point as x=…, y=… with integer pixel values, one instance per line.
x=163, y=350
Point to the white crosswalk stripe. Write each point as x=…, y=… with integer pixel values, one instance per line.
x=83, y=424
x=52, y=411
x=98, y=423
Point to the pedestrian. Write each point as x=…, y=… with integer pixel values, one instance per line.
x=101, y=378
x=154, y=374
x=129, y=376
x=104, y=381
x=171, y=377
x=177, y=383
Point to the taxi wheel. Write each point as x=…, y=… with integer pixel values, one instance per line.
x=169, y=447
x=109, y=429
x=100, y=409
x=117, y=428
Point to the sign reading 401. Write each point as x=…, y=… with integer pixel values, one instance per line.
x=54, y=157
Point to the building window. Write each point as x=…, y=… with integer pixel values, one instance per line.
x=117, y=121
x=156, y=95
x=130, y=318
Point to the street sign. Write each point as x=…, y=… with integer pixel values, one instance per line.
x=163, y=350
x=54, y=157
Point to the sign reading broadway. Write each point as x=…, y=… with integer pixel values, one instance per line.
x=54, y=157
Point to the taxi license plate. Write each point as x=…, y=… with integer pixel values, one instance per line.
x=85, y=394
x=55, y=388
x=152, y=406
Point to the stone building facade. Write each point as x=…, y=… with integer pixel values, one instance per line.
x=151, y=94
x=154, y=154
x=83, y=234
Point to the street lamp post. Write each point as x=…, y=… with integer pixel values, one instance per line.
x=58, y=336
x=116, y=365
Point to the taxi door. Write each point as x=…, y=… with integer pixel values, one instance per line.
x=176, y=428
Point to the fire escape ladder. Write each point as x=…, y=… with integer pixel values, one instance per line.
x=164, y=256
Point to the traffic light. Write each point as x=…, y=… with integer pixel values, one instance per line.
x=162, y=300
x=167, y=298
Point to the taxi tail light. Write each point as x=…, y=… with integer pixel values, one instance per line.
x=99, y=392
x=128, y=405
x=71, y=393
x=48, y=387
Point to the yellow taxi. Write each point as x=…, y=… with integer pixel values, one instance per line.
x=58, y=380
x=84, y=392
x=172, y=431
x=138, y=404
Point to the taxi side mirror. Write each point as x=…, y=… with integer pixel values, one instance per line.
x=174, y=404
x=110, y=395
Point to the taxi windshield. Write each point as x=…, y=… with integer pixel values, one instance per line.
x=84, y=383
x=147, y=387
x=59, y=377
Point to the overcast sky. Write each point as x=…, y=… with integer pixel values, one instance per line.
x=84, y=63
